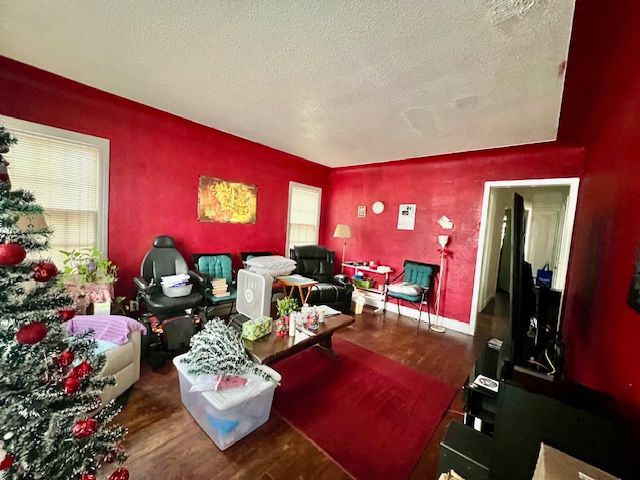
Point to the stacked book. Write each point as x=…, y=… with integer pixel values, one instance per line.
x=220, y=288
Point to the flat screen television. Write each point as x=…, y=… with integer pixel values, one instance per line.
x=522, y=302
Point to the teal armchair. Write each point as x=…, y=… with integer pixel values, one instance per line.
x=421, y=274
x=211, y=266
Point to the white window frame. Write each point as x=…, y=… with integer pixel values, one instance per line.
x=311, y=188
x=103, y=146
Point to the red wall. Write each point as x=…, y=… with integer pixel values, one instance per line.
x=449, y=185
x=156, y=159
x=602, y=107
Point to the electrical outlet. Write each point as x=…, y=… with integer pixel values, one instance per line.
x=133, y=306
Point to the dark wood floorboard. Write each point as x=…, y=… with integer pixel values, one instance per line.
x=164, y=441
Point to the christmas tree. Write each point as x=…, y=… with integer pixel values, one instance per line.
x=51, y=426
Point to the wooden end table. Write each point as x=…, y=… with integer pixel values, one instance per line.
x=270, y=349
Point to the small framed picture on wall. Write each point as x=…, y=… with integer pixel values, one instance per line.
x=362, y=211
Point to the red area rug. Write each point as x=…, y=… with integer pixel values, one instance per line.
x=372, y=415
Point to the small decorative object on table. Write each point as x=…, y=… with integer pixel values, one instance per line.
x=285, y=307
x=281, y=327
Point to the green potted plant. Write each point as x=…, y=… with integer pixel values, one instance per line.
x=88, y=275
x=285, y=306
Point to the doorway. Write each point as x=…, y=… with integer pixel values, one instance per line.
x=550, y=206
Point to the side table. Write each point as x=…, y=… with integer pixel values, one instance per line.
x=291, y=282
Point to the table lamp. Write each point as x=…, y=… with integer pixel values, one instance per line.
x=343, y=232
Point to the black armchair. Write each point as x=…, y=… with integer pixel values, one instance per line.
x=163, y=260
x=314, y=261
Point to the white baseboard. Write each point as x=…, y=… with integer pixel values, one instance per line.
x=448, y=323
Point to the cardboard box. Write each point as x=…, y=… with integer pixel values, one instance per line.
x=556, y=465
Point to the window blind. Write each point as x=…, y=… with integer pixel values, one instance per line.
x=63, y=176
x=304, y=214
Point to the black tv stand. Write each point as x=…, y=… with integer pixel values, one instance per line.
x=529, y=410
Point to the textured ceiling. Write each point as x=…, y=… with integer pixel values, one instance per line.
x=337, y=82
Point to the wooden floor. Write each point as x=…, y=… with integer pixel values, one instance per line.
x=164, y=442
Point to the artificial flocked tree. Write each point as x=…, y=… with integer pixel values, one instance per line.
x=51, y=426
x=218, y=350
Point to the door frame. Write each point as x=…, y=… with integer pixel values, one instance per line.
x=567, y=232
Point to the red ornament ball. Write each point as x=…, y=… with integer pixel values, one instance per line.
x=66, y=314
x=120, y=474
x=44, y=271
x=71, y=385
x=65, y=358
x=6, y=462
x=11, y=254
x=88, y=476
x=81, y=371
x=31, y=334
x=85, y=428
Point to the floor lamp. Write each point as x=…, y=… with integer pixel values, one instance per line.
x=442, y=240
x=343, y=232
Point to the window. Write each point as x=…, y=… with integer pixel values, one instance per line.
x=68, y=174
x=304, y=215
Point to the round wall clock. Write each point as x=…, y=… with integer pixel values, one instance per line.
x=377, y=208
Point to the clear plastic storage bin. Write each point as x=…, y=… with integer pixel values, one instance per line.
x=232, y=414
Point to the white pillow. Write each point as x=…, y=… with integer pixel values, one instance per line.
x=271, y=262
x=406, y=288
x=272, y=272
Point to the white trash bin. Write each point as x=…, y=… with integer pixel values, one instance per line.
x=359, y=301
x=232, y=414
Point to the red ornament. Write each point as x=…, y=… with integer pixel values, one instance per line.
x=88, y=476
x=85, y=428
x=11, y=254
x=31, y=334
x=81, y=371
x=6, y=462
x=65, y=358
x=109, y=457
x=44, y=271
x=120, y=474
x=66, y=314
x=71, y=385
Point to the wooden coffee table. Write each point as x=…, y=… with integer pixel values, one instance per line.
x=270, y=349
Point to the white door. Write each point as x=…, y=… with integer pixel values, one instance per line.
x=544, y=239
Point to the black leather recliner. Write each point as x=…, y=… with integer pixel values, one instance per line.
x=314, y=261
